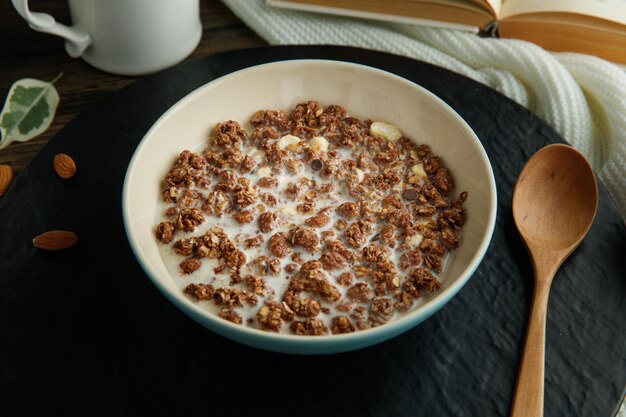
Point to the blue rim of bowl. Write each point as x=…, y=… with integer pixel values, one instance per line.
x=385, y=331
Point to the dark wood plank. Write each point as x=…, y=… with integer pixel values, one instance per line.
x=25, y=53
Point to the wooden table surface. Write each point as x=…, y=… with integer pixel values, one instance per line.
x=25, y=53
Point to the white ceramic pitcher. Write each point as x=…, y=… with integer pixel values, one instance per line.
x=127, y=37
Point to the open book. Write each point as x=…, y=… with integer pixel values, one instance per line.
x=596, y=27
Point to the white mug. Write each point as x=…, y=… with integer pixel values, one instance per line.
x=127, y=37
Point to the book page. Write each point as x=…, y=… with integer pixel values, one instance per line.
x=495, y=5
x=468, y=13
x=612, y=10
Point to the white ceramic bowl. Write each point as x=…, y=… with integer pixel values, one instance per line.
x=366, y=93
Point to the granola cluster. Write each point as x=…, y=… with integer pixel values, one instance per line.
x=310, y=222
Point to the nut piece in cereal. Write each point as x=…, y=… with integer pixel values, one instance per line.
x=386, y=131
x=289, y=142
x=418, y=173
x=319, y=144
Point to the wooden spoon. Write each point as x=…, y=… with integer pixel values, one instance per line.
x=554, y=204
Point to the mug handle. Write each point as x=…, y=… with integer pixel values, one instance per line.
x=77, y=40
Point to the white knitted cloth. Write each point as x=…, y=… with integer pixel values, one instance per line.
x=580, y=96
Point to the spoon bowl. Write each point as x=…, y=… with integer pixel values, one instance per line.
x=555, y=198
x=554, y=204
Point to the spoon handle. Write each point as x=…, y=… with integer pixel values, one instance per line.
x=528, y=399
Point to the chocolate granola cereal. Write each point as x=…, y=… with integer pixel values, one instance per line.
x=309, y=222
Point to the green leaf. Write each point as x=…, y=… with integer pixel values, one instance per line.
x=28, y=110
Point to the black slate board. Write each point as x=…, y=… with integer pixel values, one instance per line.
x=85, y=332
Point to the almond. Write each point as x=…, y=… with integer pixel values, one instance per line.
x=6, y=177
x=55, y=240
x=64, y=165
